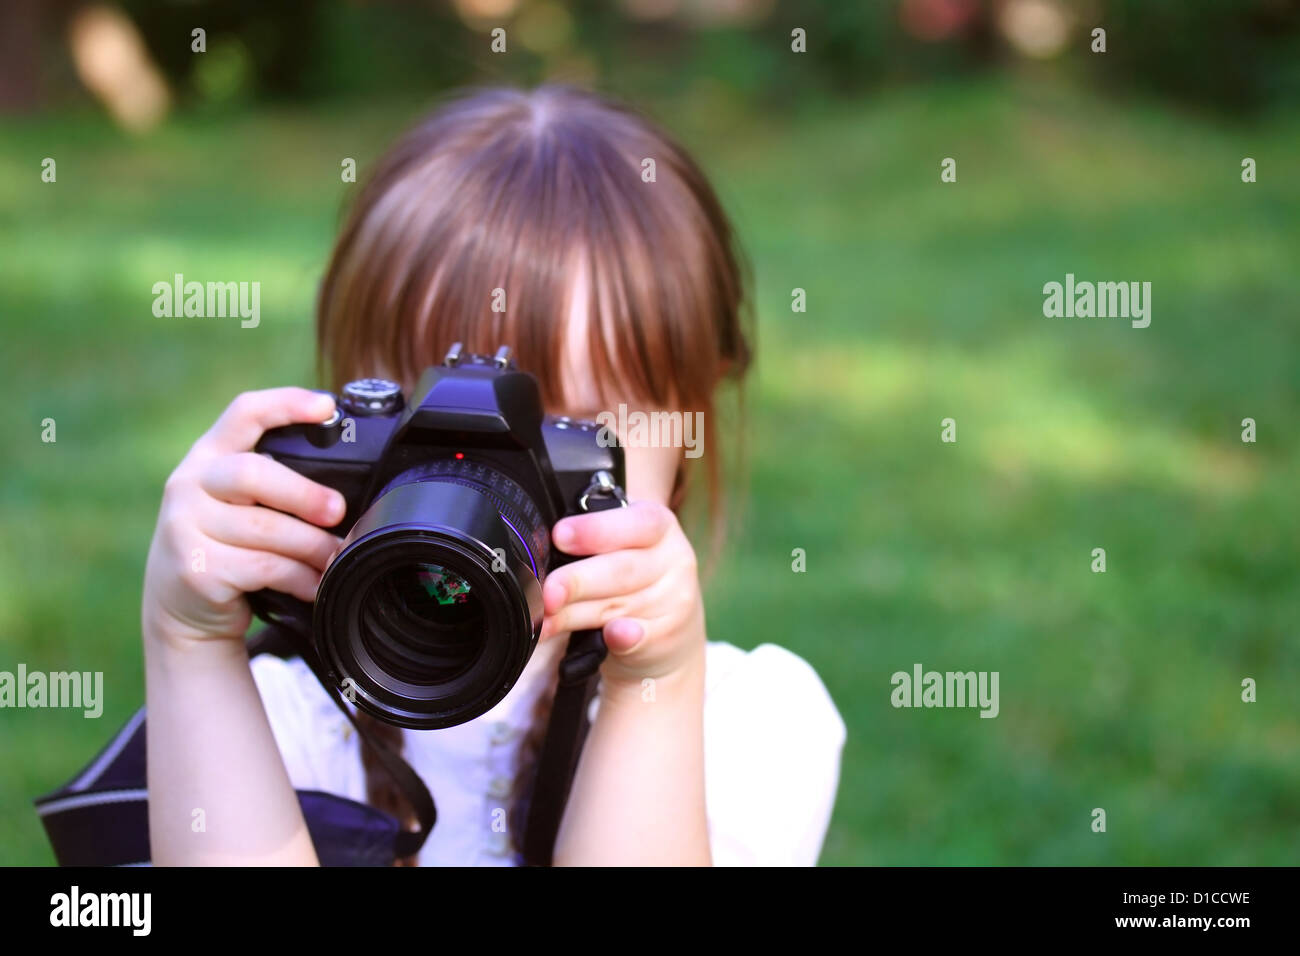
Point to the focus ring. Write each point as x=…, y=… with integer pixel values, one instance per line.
x=510, y=499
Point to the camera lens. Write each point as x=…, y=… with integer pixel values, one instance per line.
x=439, y=597
x=432, y=607
x=424, y=623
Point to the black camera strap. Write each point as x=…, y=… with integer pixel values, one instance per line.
x=565, y=735
x=567, y=731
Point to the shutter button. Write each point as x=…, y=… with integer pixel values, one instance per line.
x=326, y=433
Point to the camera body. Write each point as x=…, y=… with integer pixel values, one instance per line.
x=431, y=608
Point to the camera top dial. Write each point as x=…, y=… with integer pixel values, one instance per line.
x=372, y=396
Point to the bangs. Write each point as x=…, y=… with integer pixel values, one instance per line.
x=483, y=226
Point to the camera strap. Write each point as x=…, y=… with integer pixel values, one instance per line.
x=567, y=731
x=407, y=843
x=565, y=735
x=101, y=816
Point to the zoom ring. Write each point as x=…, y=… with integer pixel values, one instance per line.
x=513, y=503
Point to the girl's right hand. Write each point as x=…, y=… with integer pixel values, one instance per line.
x=234, y=521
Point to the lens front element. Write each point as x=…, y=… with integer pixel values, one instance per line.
x=423, y=622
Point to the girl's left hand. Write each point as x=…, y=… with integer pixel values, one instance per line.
x=641, y=585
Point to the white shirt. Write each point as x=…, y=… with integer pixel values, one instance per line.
x=772, y=745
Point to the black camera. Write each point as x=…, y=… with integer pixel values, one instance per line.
x=430, y=610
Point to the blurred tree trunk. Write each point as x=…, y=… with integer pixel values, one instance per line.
x=20, y=49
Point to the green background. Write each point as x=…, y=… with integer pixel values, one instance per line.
x=924, y=301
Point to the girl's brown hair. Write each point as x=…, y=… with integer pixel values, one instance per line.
x=503, y=197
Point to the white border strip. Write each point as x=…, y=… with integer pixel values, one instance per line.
x=90, y=800
x=96, y=769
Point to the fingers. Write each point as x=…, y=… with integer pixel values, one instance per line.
x=641, y=567
x=261, y=529
x=252, y=413
x=623, y=635
x=602, y=576
x=248, y=571
x=250, y=478
x=640, y=525
x=623, y=631
x=656, y=601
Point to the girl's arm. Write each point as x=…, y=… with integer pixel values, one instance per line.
x=638, y=796
x=218, y=790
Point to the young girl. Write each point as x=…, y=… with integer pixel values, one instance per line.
x=619, y=288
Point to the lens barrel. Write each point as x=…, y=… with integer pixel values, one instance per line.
x=430, y=611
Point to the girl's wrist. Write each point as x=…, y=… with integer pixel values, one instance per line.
x=165, y=638
x=685, y=682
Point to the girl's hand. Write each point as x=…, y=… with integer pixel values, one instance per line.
x=215, y=541
x=642, y=585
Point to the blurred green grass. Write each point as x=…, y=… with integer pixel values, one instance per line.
x=1118, y=691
